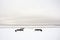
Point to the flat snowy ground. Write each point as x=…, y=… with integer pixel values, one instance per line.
x=30, y=34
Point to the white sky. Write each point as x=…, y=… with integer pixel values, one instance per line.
x=16, y=9
x=30, y=8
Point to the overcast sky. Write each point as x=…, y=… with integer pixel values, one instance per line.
x=45, y=9
x=30, y=7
